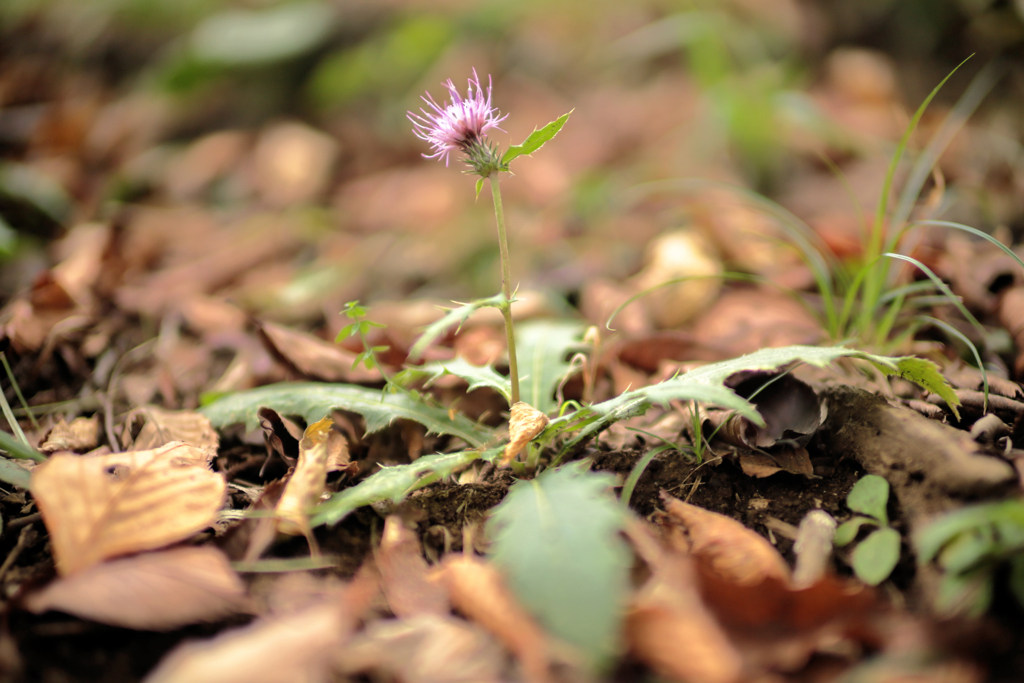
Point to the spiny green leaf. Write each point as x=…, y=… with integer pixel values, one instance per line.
x=876, y=556
x=477, y=376
x=394, y=483
x=542, y=347
x=452, y=318
x=556, y=538
x=869, y=496
x=706, y=383
x=925, y=374
x=535, y=140
x=313, y=400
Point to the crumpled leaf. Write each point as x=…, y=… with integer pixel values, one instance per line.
x=556, y=538
x=308, y=479
x=103, y=506
x=164, y=426
x=156, y=591
x=312, y=401
x=738, y=554
x=81, y=435
x=478, y=591
x=526, y=422
x=404, y=574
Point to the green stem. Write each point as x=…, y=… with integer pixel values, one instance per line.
x=506, y=289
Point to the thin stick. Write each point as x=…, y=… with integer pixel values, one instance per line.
x=506, y=289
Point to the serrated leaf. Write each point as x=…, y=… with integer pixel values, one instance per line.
x=869, y=496
x=313, y=400
x=477, y=376
x=925, y=374
x=541, y=349
x=536, y=139
x=394, y=483
x=556, y=539
x=706, y=383
x=848, y=531
x=452, y=318
x=876, y=556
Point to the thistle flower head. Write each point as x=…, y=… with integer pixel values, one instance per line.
x=461, y=125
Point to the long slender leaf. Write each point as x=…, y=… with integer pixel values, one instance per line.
x=313, y=400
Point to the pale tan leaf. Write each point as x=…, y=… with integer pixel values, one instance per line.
x=404, y=574
x=161, y=427
x=153, y=591
x=103, y=506
x=83, y=434
x=526, y=422
x=478, y=591
x=734, y=551
x=307, y=481
x=296, y=647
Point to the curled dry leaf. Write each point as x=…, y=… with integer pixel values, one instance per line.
x=729, y=548
x=81, y=435
x=103, y=506
x=478, y=591
x=404, y=574
x=161, y=427
x=320, y=450
x=526, y=422
x=152, y=591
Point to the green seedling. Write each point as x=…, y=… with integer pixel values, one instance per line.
x=360, y=328
x=970, y=545
x=876, y=556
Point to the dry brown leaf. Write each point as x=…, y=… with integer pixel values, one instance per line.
x=424, y=649
x=314, y=357
x=152, y=591
x=294, y=647
x=162, y=426
x=731, y=549
x=308, y=480
x=83, y=434
x=104, y=506
x=281, y=435
x=478, y=591
x=404, y=574
x=761, y=464
x=526, y=422
x=667, y=625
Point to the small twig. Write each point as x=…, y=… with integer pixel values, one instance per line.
x=24, y=539
x=976, y=399
x=17, y=391
x=22, y=521
x=108, y=421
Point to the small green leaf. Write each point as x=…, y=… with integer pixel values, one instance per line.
x=869, y=496
x=345, y=332
x=479, y=186
x=876, y=556
x=313, y=400
x=535, y=140
x=556, y=538
x=967, y=595
x=394, y=483
x=968, y=550
x=454, y=317
x=926, y=375
x=849, y=529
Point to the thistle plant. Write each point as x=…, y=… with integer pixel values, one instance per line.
x=461, y=125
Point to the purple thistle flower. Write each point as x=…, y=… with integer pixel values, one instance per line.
x=460, y=124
